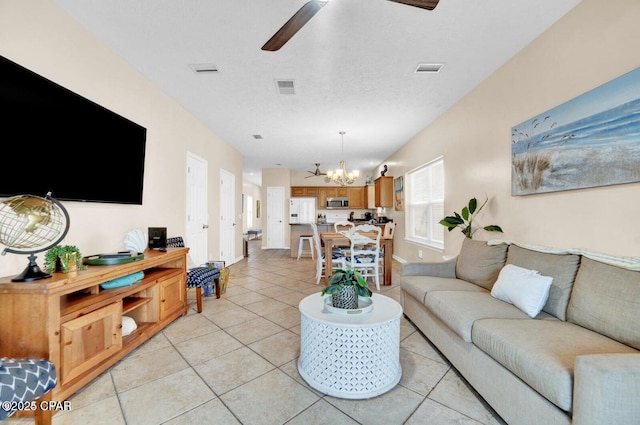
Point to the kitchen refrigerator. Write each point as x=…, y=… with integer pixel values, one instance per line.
x=302, y=210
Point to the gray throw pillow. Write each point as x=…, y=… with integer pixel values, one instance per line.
x=480, y=263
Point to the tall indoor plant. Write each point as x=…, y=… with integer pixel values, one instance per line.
x=464, y=219
x=345, y=285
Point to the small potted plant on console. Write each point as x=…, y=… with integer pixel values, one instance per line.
x=64, y=258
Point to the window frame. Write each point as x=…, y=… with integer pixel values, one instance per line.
x=410, y=228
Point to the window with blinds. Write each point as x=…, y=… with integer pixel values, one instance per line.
x=424, y=191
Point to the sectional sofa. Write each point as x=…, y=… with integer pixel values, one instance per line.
x=544, y=336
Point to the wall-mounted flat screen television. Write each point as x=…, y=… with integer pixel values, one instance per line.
x=66, y=144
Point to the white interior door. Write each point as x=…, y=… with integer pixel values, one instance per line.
x=227, y=216
x=275, y=218
x=197, y=214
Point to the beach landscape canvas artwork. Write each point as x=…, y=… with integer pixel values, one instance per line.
x=592, y=140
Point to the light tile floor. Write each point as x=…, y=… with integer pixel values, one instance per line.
x=235, y=363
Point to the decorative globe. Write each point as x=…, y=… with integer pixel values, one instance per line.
x=31, y=224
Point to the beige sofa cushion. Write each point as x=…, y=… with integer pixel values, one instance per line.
x=606, y=299
x=542, y=352
x=480, y=263
x=419, y=286
x=460, y=309
x=561, y=267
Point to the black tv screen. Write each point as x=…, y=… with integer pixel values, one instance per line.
x=66, y=144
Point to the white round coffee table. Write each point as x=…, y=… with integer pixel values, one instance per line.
x=352, y=356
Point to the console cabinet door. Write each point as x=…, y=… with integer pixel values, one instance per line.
x=172, y=295
x=90, y=339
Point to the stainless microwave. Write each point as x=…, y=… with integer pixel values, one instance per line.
x=337, y=203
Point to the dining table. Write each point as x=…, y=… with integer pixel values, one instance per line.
x=335, y=239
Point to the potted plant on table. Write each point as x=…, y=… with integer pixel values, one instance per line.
x=62, y=258
x=345, y=286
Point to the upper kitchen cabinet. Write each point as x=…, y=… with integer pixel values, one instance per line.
x=370, y=197
x=356, y=197
x=384, y=191
x=306, y=191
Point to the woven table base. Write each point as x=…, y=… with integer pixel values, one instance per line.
x=350, y=357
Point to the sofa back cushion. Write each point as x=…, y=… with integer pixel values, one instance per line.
x=606, y=299
x=480, y=263
x=561, y=267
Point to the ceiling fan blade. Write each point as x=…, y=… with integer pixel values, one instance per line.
x=297, y=21
x=422, y=4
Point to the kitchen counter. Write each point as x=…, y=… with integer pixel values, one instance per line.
x=304, y=229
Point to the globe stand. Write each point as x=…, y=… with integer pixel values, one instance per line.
x=32, y=272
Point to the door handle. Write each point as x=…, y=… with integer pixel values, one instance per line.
x=205, y=226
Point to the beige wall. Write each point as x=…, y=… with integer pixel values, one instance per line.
x=590, y=46
x=39, y=36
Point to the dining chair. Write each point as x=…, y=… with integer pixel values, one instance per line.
x=364, y=254
x=337, y=257
x=343, y=225
x=389, y=229
x=387, y=233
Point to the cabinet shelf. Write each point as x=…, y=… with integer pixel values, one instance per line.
x=131, y=303
x=82, y=302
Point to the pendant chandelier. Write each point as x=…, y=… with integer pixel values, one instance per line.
x=341, y=176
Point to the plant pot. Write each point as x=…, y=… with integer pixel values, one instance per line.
x=345, y=298
x=70, y=258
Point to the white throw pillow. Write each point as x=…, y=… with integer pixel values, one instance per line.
x=524, y=288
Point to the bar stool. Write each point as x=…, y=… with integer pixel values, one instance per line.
x=303, y=238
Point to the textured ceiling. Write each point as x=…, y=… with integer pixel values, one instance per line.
x=352, y=65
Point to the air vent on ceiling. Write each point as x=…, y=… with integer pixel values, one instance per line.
x=285, y=87
x=257, y=136
x=204, y=68
x=429, y=68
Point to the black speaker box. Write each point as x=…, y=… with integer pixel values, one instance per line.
x=157, y=237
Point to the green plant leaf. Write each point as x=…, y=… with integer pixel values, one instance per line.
x=451, y=221
x=331, y=289
x=493, y=228
x=465, y=213
x=473, y=204
x=363, y=291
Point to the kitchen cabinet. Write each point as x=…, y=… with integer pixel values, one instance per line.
x=384, y=191
x=356, y=197
x=72, y=321
x=370, y=197
x=304, y=191
x=322, y=197
x=333, y=192
x=356, y=194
